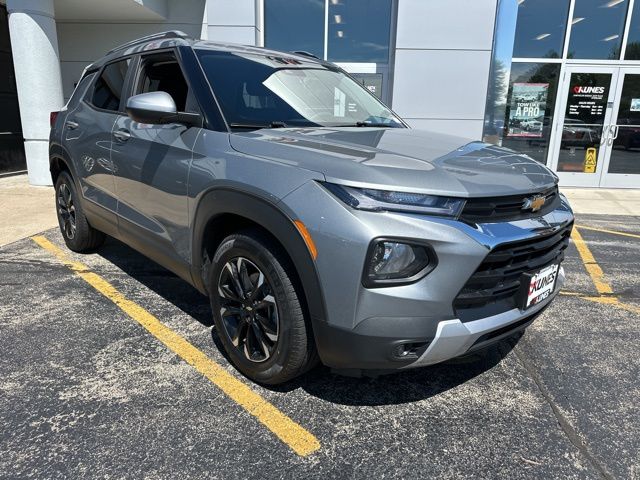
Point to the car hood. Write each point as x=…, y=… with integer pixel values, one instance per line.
x=398, y=158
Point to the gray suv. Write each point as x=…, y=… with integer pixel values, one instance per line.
x=320, y=226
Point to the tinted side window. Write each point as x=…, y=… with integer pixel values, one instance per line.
x=108, y=88
x=161, y=72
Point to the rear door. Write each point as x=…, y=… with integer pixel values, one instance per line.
x=87, y=137
x=151, y=165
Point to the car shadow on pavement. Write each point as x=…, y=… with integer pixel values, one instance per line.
x=158, y=279
x=392, y=389
x=398, y=387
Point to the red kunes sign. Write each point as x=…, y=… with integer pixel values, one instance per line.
x=578, y=89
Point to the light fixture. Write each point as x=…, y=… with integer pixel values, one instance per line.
x=613, y=3
x=335, y=2
x=338, y=18
x=340, y=34
x=542, y=36
x=612, y=37
x=577, y=20
x=520, y=2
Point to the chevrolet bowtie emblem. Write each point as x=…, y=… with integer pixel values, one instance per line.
x=534, y=203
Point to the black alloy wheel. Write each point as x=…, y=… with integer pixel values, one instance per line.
x=248, y=309
x=66, y=211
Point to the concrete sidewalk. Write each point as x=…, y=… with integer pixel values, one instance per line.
x=604, y=201
x=26, y=210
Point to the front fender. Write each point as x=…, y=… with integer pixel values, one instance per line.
x=225, y=200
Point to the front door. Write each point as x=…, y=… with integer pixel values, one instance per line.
x=152, y=165
x=622, y=165
x=581, y=131
x=597, y=133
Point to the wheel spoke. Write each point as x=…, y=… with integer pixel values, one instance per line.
x=269, y=330
x=245, y=281
x=240, y=335
x=235, y=279
x=228, y=310
x=261, y=342
x=226, y=293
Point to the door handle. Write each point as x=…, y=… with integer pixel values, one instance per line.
x=71, y=125
x=605, y=136
x=613, y=129
x=122, y=135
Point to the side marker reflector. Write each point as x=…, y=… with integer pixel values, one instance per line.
x=307, y=238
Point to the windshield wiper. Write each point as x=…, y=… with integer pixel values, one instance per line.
x=367, y=124
x=256, y=126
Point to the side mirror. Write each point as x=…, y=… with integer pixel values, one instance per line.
x=152, y=107
x=158, y=107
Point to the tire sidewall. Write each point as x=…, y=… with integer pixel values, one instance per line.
x=243, y=246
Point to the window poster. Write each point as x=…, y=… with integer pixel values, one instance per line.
x=635, y=105
x=528, y=107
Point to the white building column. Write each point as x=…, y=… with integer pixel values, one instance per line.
x=36, y=62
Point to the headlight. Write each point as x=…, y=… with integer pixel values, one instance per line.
x=381, y=200
x=393, y=262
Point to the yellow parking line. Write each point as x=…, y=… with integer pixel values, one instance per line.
x=613, y=232
x=596, y=273
x=614, y=302
x=295, y=436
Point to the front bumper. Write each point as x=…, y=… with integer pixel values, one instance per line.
x=368, y=328
x=454, y=338
x=373, y=347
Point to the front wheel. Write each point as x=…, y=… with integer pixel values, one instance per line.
x=76, y=231
x=257, y=309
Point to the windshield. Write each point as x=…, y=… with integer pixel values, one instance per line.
x=258, y=91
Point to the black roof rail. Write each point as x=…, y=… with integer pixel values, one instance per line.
x=149, y=38
x=305, y=54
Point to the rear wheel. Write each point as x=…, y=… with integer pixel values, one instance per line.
x=76, y=231
x=257, y=309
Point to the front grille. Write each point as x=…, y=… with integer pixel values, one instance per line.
x=500, y=209
x=495, y=285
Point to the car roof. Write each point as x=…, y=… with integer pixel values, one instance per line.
x=176, y=38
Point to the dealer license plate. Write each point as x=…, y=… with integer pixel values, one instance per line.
x=539, y=285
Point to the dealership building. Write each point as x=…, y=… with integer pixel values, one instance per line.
x=556, y=79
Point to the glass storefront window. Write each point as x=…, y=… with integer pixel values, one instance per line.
x=359, y=30
x=625, y=156
x=297, y=25
x=584, y=119
x=530, y=105
x=633, y=42
x=597, y=29
x=541, y=28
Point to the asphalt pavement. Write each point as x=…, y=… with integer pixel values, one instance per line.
x=86, y=391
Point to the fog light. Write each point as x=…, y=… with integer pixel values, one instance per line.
x=391, y=262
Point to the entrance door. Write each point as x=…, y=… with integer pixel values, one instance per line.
x=580, y=148
x=622, y=165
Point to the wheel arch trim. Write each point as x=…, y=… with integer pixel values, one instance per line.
x=218, y=201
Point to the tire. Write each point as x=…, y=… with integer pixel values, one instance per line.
x=76, y=231
x=259, y=316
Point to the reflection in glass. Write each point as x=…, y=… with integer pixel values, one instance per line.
x=359, y=31
x=584, y=121
x=597, y=29
x=625, y=156
x=499, y=74
x=297, y=25
x=258, y=91
x=532, y=89
x=541, y=27
x=633, y=42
